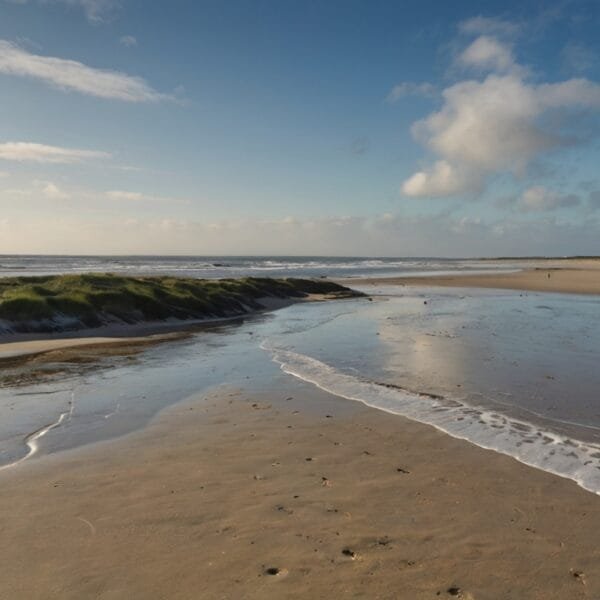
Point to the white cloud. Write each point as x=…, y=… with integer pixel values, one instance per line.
x=578, y=93
x=41, y=153
x=95, y=10
x=442, y=179
x=70, y=75
x=540, y=199
x=489, y=26
x=126, y=196
x=39, y=189
x=487, y=53
x=408, y=88
x=386, y=235
x=53, y=192
x=128, y=41
x=495, y=125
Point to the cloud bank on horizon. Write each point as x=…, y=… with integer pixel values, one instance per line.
x=449, y=133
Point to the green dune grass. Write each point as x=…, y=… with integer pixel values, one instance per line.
x=58, y=302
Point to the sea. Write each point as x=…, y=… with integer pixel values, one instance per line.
x=512, y=371
x=216, y=267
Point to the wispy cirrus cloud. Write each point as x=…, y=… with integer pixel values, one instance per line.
x=122, y=195
x=42, y=153
x=37, y=190
x=408, y=88
x=96, y=11
x=540, y=199
x=481, y=25
x=131, y=196
x=74, y=76
x=129, y=41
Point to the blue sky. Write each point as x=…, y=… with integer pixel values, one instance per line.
x=380, y=128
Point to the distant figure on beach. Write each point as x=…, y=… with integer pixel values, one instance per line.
x=548, y=275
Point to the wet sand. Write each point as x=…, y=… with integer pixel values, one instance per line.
x=293, y=493
x=573, y=277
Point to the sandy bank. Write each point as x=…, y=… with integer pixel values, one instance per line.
x=541, y=279
x=15, y=345
x=293, y=493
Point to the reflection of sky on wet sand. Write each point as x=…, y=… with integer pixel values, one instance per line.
x=502, y=349
x=533, y=351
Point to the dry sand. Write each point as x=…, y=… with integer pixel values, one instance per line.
x=574, y=277
x=339, y=500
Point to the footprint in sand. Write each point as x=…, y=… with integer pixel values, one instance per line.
x=457, y=592
x=276, y=572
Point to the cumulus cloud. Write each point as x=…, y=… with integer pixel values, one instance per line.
x=487, y=53
x=408, y=88
x=442, y=179
x=41, y=153
x=71, y=75
x=540, y=199
x=495, y=125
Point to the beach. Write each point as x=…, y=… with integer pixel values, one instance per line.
x=299, y=300
x=273, y=457
x=293, y=493
x=560, y=276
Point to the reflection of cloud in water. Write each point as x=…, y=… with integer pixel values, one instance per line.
x=423, y=348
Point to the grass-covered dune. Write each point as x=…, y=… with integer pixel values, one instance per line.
x=72, y=302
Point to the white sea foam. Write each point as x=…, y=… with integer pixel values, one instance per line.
x=224, y=266
x=32, y=440
x=528, y=443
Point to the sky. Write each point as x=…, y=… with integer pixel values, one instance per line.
x=287, y=127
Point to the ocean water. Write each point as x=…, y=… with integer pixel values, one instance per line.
x=241, y=266
x=510, y=371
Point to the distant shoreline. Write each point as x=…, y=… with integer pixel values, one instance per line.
x=280, y=256
x=553, y=277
